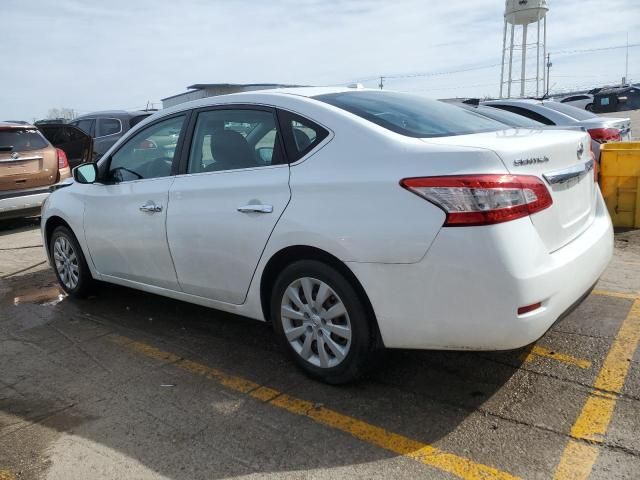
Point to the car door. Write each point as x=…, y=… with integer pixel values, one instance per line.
x=224, y=207
x=76, y=144
x=125, y=214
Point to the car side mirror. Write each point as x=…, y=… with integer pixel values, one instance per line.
x=86, y=173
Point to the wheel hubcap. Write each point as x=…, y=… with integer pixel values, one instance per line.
x=66, y=262
x=316, y=322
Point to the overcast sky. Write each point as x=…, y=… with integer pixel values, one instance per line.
x=123, y=53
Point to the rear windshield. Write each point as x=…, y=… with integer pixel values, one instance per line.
x=411, y=115
x=508, y=118
x=21, y=140
x=570, y=110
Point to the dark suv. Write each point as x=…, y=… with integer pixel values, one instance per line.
x=108, y=126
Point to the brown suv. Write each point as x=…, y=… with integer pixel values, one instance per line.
x=29, y=167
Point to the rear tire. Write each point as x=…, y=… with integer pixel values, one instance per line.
x=589, y=107
x=328, y=335
x=69, y=263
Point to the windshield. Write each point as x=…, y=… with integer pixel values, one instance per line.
x=569, y=110
x=411, y=115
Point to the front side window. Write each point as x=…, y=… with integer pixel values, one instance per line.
x=108, y=126
x=411, y=115
x=234, y=139
x=149, y=153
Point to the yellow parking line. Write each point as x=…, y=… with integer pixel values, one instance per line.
x=538, y=351
x=592, y=423
x=426, y=454
x=607, y=293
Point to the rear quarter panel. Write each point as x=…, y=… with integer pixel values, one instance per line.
x=346, y=197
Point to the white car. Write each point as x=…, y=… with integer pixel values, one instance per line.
x=349, y=219
x=583, y=101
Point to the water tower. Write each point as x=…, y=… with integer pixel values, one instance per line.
x=521, y=14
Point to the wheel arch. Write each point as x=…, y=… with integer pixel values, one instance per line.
x=52, y=223
x=281, y=259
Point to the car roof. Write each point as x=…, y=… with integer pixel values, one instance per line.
x=114, y=113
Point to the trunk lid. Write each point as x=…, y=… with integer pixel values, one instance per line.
x=26, y=159
x=562, y=159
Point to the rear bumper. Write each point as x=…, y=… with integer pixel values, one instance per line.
x=17, y=203
x=465, y=293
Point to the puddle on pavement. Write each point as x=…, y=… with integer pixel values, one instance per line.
x=40, y=289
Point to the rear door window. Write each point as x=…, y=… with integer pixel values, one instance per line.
x=108, y=126
x=21, y=140
x=411, y=115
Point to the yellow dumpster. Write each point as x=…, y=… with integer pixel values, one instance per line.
x=620, y=182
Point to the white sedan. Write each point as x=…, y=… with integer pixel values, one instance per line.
x=350, y=219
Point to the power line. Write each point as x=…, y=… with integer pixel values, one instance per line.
x=394, y=76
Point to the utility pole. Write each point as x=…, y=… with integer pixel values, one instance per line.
x=381, y=84
x=548, y=70
x=626, y=63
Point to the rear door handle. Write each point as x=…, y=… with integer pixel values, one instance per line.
x=151, y=207
x=256, y=209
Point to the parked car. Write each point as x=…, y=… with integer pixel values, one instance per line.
x=349, y=219
x=583, y=101
x=502, y=116
x=107, y=127
x=601, y=129
x=29, y=166
x=617, y=99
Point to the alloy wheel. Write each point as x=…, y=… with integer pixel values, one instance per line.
x=66, y=262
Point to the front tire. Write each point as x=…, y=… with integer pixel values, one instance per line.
x=322, y=322
x=589, y=107
x=69, y=263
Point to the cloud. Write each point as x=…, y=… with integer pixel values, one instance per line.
x=121, y=54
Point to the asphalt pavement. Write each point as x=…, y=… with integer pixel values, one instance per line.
x=130, y=385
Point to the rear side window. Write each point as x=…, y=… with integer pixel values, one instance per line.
x=300, y=134
x=411, y=115
x=524, y=112
x=21, y=140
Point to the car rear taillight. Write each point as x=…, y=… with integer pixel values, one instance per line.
x=62, y=159
x=604, y=135
x=484, y=199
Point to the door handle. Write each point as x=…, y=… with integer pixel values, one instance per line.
x=256, y=209
x=151, y=207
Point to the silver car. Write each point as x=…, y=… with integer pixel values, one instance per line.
x=601, y=129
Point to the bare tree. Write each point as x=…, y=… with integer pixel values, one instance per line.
x=66, y=113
